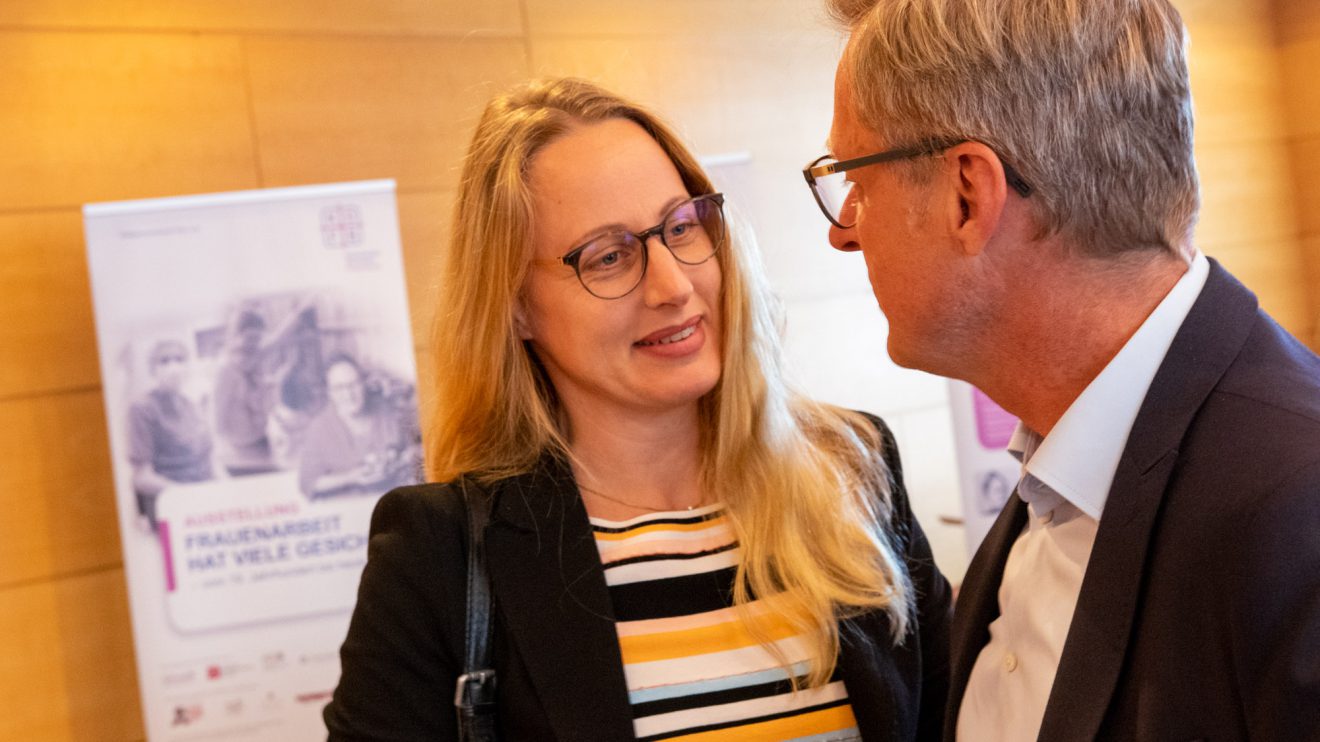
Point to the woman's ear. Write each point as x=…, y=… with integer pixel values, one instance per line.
x=520, y=323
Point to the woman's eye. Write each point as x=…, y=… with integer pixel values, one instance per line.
x=606, y=258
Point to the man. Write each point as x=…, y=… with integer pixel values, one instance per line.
x=1018, y=176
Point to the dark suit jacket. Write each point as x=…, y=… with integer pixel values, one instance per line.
x=1199, y=614
x=560, y=673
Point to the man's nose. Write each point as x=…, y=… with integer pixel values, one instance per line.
x=844, y=239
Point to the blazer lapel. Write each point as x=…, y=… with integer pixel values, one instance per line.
x=1210, y=338
x=978, y=604
x=550, y=590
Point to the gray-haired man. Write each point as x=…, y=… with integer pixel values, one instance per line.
x=1018, y=176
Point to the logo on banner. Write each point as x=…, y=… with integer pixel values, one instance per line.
x=341, y=226
x=185, y=715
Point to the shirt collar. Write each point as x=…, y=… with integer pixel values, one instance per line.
x=1077, y=460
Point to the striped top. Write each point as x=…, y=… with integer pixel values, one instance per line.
x=694, y=672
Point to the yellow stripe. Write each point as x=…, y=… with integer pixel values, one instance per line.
x=720, y=637
x=657, y=527
x=817, y=722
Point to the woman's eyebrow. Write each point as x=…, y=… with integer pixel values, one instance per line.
x=592, y=234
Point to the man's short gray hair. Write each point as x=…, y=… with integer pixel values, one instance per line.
x=1088, y=99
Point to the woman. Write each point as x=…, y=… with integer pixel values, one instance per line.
x=168, y=440
x=677, y=542
x=353, y=446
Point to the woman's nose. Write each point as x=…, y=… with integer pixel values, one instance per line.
x=666, y=280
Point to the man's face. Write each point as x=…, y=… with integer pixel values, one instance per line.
x=898, y=229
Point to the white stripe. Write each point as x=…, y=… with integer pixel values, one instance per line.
x=658, y=673
x=711, y=685
x=662, y=515
x=662, y=569
x=750, y=709
x=665, y=535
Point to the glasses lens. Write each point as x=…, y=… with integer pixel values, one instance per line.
x=695, y=230
x=832, y=190
x=611, y=265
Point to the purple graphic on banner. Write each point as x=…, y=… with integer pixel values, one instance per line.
x=994, y=426
x=164, y=532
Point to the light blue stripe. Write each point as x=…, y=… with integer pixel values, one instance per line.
x=645, y=695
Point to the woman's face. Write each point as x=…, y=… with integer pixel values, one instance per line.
x=347, y=392
x=656, y=348
x=169, y=366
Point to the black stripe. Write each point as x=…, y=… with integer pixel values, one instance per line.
x=674, y=596
x=658, y=521
x=718, y=697
x=667, y=556
x=744, y=722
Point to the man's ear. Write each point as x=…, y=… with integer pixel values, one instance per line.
x=980, y=191
x=520, y=323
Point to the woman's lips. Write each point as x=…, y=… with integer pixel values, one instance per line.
x=678, y=340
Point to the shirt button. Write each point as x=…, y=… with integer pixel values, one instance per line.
x=1010, y=662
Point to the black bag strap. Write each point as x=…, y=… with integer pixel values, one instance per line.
x=474, y=694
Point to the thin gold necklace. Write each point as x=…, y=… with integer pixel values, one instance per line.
x=635, y=506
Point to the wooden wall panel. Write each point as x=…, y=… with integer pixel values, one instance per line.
x=1298, y=26
x=1197, y=13
x=301, y=16
x=1237, y=91
x=95, y=117
x=1246, y=194
x=1300, y=60
x=348, y=109
x=692, y=19
x=67, y=669
x=47, y=341
x=424, y=220
x=56, y=489
x=1303, y=152
x=1270, y=269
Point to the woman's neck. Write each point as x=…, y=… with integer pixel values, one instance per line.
x=628, y=463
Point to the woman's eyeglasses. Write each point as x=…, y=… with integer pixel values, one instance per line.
x=611, y=265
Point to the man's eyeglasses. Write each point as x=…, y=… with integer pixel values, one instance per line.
x=611, y=265
x=831, y=187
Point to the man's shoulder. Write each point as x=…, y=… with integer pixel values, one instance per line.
x=1274, y=376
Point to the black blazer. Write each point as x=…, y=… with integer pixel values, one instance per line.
x=1199, y=614
x=560, y=673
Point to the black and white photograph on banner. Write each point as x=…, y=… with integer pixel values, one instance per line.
x=260, y=393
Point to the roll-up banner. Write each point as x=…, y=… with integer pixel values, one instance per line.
x=260, y=391
x=987, y=473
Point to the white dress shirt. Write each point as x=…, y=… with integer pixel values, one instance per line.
x=1066, y=478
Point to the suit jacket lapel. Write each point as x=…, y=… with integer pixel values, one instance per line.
x=978, y=604
x=1210, y=338
x=550, y=590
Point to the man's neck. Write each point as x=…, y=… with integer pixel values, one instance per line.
x=1073, y=318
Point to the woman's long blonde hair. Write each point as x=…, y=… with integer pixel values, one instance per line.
x=805, y=486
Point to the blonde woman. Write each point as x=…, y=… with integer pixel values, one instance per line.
x=678, y=544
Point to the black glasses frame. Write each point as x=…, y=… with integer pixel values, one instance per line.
x=816, y=170
x=572, y=257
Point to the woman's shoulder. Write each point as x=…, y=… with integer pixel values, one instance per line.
x=435, y=504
